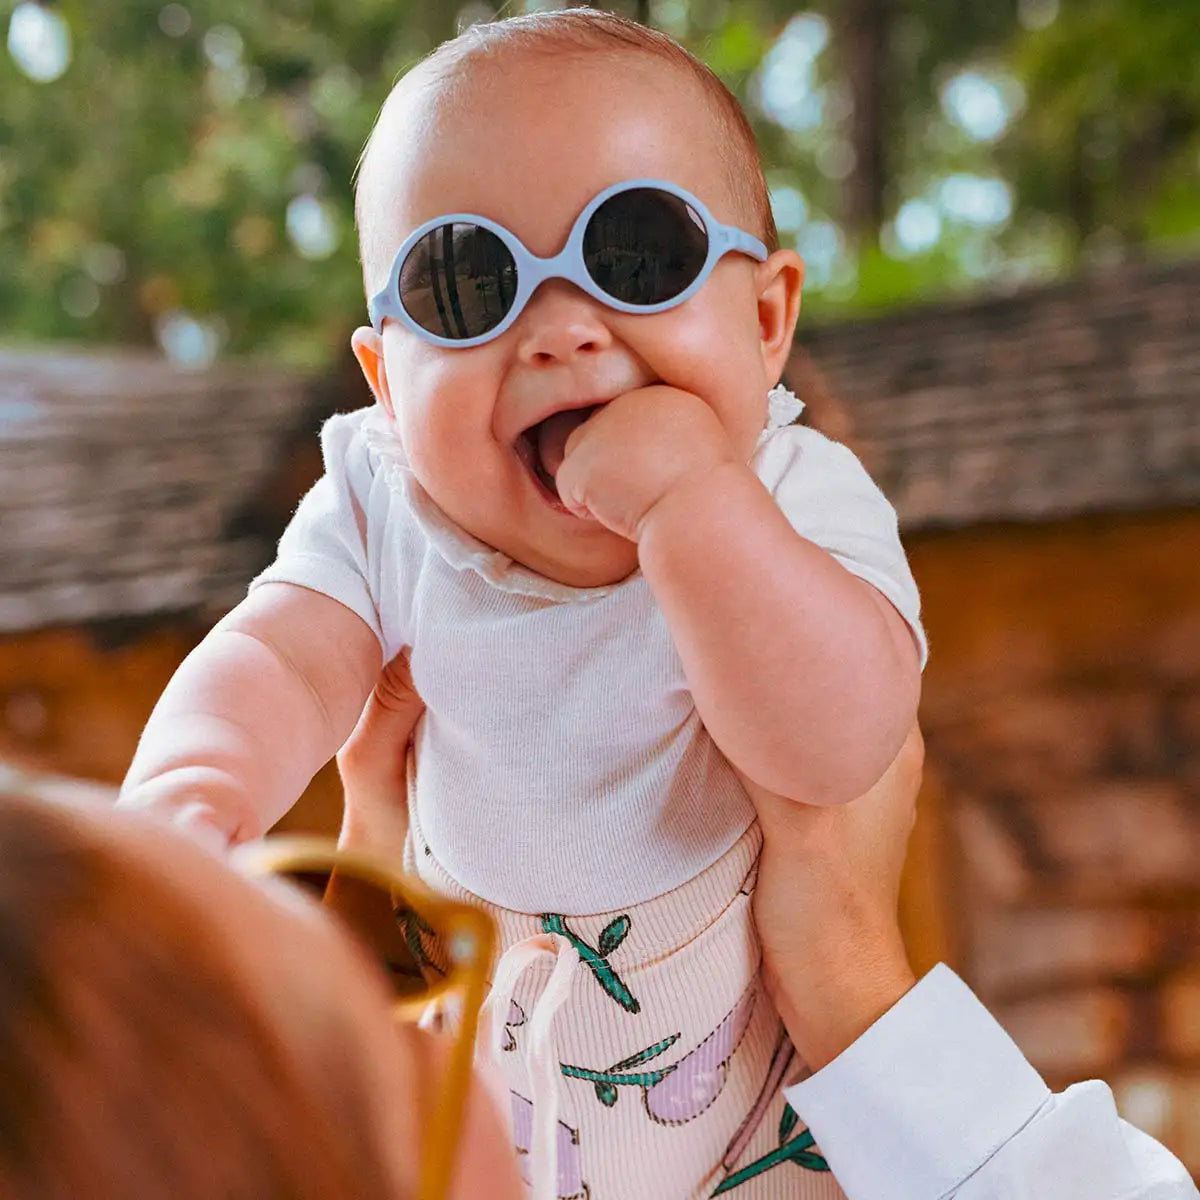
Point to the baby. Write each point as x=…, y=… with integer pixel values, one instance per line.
x=633, y=593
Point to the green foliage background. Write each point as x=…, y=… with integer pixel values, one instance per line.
x=155, y=174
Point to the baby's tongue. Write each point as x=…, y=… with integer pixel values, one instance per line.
x=552, y=436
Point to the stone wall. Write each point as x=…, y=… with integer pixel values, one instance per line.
x=129, y=488
x=1062, y=717
x=1051, y=401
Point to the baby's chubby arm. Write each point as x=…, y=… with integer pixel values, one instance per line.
x=805, y=676
x=253, y=712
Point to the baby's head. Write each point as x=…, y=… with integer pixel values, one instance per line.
x=524, y=122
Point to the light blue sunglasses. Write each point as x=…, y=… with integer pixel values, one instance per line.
x=642, y=246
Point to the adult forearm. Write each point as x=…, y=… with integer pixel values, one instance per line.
x=844, y=994
x=825, y=907
x=803, y=676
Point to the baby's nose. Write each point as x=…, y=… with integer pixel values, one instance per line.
x=560, y=322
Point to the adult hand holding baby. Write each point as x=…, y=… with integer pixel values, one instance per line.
x=373, y=762
x=826, y=906
x=636, y=450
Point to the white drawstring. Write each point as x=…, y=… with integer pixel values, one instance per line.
x=540, y=1060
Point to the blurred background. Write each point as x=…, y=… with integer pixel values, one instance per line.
x=999, y=205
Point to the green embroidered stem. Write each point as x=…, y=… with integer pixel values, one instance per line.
x=636, y=1060
x=797, y=1151
x=641, y=1079
x=605, y=1082
x=606, y=977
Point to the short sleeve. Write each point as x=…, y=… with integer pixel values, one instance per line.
x=828, y=497
x=325, y=546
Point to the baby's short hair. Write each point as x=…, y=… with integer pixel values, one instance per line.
x=585, y=30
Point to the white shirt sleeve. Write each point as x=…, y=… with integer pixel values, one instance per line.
x=828, y=497
x=325, y=546
x=935, y=1101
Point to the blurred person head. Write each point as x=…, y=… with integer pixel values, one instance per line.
x=524, y=122
x=170, y=1029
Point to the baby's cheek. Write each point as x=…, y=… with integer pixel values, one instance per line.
x=436, y=461
x=718, y=350
x=739, y=399
x=435, y=422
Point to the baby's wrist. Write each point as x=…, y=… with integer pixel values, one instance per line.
x=201, y=822
x=721, y=482
x=206, y=804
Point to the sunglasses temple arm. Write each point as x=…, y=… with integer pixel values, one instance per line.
x=440, y=1156
x=729, y=237
x=377, y=310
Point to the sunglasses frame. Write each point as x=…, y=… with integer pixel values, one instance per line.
x=568, y=264
x=469, y=939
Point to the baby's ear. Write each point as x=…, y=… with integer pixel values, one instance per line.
x=368, y=349
x=779, y=283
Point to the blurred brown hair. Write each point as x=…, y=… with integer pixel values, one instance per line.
x=133, y=1063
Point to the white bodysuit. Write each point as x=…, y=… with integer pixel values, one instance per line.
x=561, y=765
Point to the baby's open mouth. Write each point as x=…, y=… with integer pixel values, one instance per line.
x=542, y=447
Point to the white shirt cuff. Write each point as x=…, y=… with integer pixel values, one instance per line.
x=922, y=1099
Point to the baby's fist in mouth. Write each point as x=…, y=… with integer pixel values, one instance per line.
x=632, y=451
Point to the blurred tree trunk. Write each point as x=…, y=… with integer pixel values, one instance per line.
x=1146, y=151
x=862, y=31
x=1081, y=208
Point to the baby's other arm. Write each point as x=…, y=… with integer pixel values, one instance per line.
x=253, y=712
x=806, y=676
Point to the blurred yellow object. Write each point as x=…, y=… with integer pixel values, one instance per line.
x=388, y=912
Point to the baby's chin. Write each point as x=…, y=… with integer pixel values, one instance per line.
x=587, y=556
x=541, y=537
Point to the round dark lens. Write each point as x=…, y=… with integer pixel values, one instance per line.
x=644, y=246
x=458, y=281
x=386, y=928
